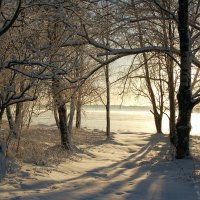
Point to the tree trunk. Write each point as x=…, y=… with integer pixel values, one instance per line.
x=1, y=115
x=169, y=43
x=30, y=116
x=2, y=163
x=71, y=115
x=65, y=137
x=78, y=117
x=158, y=122
x=10, y=120
x=62, y=114
x=157, y=116
x=18, y=122
x=183, y=125
x=107, y=75
x=18, y=118
x=55, y=112
x=172, y=105
x=78, y=110
x=107, y=102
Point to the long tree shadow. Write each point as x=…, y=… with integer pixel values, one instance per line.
x=126, y=179
x=129, y=162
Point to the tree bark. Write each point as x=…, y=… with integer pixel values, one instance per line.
x=10, y=120
x=62, y=114
x=18, y=122
x=107, y=102
x=183, y=125
x=65, y=137
x=18, y=118
x=78, y=109
x=55, y=112
x=107, y=75
x=172, y=105
x=78, y=117
x=1, y=115
x=71, y=115
x=158, y=122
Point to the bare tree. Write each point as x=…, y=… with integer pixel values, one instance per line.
x=187, y=56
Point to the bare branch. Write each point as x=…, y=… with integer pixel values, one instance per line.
x=24, y=99
x=165, y=10
x=11, y=21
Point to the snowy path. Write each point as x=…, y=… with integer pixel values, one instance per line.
x=126, y=169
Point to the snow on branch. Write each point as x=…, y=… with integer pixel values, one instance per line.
x=39, y=74
x=134, y=51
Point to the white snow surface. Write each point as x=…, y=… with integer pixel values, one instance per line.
x=134, y=166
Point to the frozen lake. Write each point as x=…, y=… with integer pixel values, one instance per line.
x=121, y=121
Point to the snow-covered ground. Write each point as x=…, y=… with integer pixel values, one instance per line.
x=133, y=166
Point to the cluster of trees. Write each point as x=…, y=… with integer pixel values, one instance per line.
x=59, y=49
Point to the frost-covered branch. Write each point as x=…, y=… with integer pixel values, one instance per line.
x=39, y=74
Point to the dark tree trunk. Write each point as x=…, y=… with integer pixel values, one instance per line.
x=172, y=107
x=1, y=115
x=168, y=42
x=183, y=125
x=62, y=114
x=10, y=120
x=78, y=109
x=171, y=86
x=18, y=118
x=65, y=138
x=107, y=75
x=107, y=102
x=78, y=117
x=30, y=115
x=158, y=122
x=18, y=122
x=71, y=115
x=55, y=112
